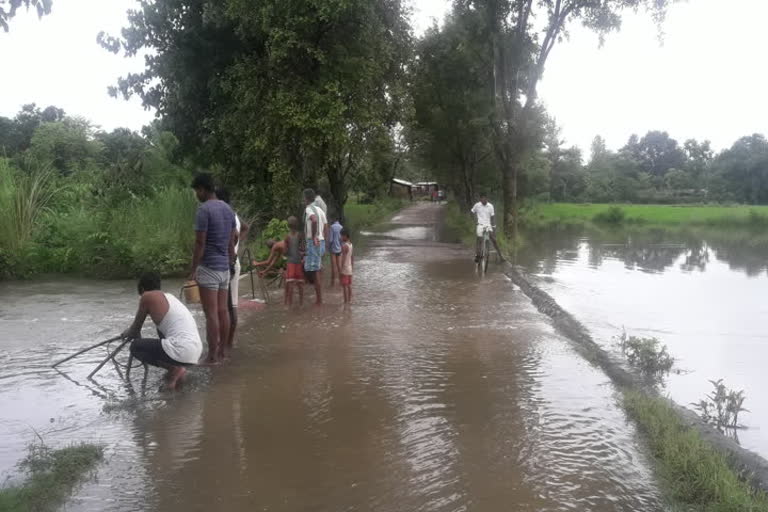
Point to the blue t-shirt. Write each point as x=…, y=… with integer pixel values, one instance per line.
x=217, y=219
x=336, y=237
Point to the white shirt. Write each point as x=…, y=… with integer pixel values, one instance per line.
x=182, y=341
x=320, y=203
x=484, y=213
x=237, y=228
x=312, y=209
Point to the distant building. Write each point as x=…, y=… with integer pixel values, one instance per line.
x=426, y=188
x=401, y=188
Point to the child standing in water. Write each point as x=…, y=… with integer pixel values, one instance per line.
x=294, y=274
x=347, y=261
x=334, y=245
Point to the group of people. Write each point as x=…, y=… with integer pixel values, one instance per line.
x=319, y=237
x=216, y=270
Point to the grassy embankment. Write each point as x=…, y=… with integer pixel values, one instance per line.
x=694, y=474
x=52, y=476
x=656, y=215
x=734, y=226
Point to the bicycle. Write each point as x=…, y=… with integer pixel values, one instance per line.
x=485, y=250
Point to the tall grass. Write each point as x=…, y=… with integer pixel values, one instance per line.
x=157, y=231
x=144, y=233
x=24, y=198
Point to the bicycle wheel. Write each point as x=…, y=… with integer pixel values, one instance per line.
x=487, y=254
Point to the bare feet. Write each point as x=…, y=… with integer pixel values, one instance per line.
x=210, y=361
x=175, y=376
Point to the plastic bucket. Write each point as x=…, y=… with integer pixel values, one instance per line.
x=191, y=292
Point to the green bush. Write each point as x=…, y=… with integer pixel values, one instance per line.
x=613, y=215
x=358, y=215
x=276, y=229
x=157, y=231
x=648, y=355
x=756, y=218
x=149, y=233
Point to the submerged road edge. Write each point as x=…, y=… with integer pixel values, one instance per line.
x=745, y=462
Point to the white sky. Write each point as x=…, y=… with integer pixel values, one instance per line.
x=709, y=79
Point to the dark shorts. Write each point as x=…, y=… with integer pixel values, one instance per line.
x=150, y=351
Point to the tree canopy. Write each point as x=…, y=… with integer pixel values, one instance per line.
x=519, y=50
x=279, y=95
x=8, y=9
x=450, y=129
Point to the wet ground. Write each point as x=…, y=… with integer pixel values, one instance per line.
x=701, y=294
x=436, y=390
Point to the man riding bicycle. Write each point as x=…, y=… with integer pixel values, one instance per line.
x=485, y=216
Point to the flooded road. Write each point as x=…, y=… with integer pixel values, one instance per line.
x=703, y=295
x=437, y=390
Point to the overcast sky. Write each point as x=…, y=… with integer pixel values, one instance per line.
x=708, y=80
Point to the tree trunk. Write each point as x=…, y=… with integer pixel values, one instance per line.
x=338, y=190
x=509, y=190
x=467, y=196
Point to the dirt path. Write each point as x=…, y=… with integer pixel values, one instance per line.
x=436, y=390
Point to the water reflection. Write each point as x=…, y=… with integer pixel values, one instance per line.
x=647, y=250
x=695, y=290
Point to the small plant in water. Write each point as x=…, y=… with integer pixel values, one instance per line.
x=613, y=215
x=648, y=355
x=721, y=408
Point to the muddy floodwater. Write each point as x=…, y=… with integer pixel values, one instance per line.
x=701, y=294
x=437, y=390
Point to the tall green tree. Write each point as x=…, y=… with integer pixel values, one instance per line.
x=741, y=171
x=699, y=156
x=520, y=51
x=68, y=145
x=277, y=94
x=567, y=178
x=450, y=128
x=16, y=134
x=656, y=153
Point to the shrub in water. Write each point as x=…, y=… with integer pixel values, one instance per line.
x=647, y=355
x=757, y=219
x=613, y=215
x=722, y=407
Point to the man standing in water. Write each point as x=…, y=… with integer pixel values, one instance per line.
x=234, y=284
x=179, y=344
x=314, y=234
x=213, y=256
